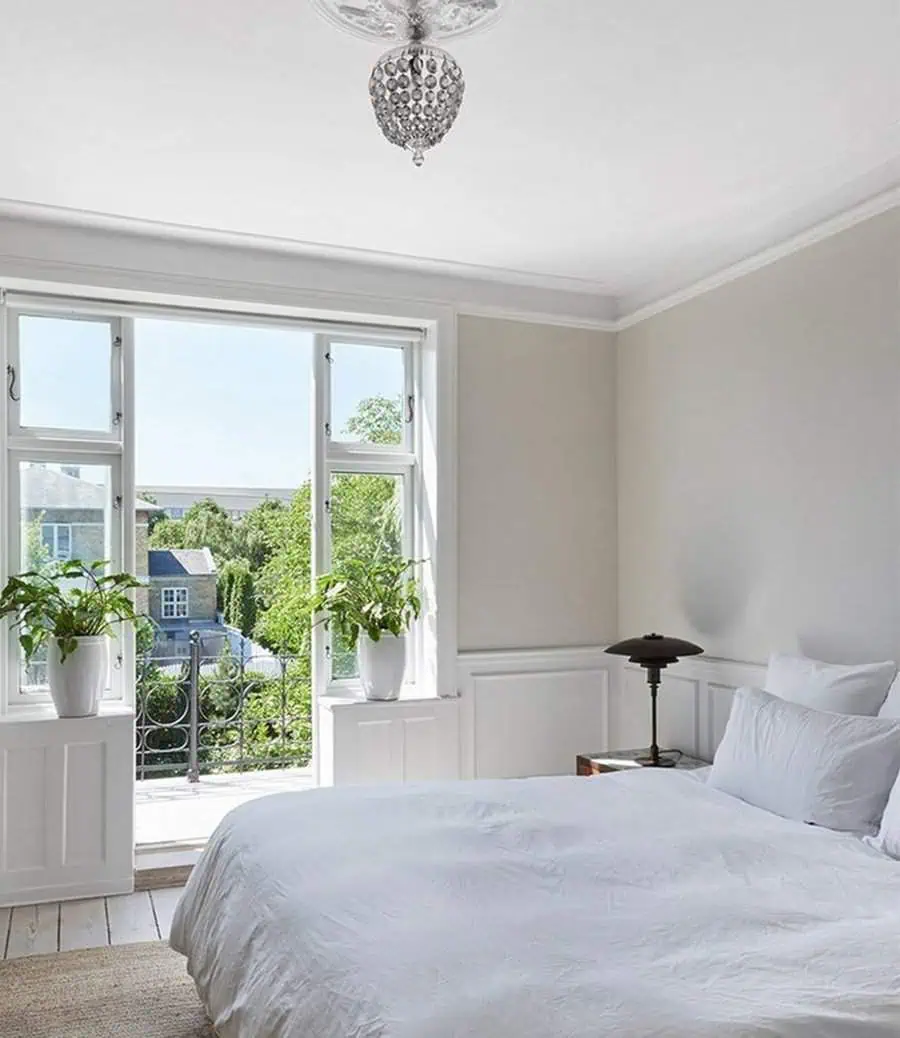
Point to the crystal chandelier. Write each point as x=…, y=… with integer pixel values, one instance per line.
x=417, y=88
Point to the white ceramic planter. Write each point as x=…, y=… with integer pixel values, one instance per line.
x=77, y=684
x=381, y=665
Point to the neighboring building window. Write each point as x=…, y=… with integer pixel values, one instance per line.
x=175, y=513
x=57, y=539
x=174, y=603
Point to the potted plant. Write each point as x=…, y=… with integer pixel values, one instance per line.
x=70, y=611
x=371, y=605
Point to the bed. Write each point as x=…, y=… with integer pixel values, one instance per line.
x=640, y=904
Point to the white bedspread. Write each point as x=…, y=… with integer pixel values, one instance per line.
x=632, y=905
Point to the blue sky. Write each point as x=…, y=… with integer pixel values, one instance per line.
x=217, y=404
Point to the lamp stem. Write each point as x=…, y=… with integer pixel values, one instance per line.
x=653, y=676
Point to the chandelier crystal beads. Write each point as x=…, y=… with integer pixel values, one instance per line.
x=417, y=91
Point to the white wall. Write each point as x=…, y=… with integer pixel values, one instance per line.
x=759, y=458
x=537, y=512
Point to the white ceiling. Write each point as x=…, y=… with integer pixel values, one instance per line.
x=631, y=145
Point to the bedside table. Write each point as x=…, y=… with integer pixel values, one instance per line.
x=623, y=760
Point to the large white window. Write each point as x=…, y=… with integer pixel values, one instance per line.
x=174, y=603
x=77, y=373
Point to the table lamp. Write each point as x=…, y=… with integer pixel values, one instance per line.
x=654, y=652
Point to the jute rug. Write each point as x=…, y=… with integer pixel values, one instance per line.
x=130, y=991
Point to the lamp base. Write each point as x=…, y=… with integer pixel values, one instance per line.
x=663, y=762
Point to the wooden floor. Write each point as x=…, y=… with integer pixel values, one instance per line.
x=67, y=925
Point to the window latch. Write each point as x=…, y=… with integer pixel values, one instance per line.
x=11, y=387
x=410, y=409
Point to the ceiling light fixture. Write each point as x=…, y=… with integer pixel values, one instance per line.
x=416, y=88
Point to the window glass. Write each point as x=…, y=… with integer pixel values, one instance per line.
x=366, y=522
x=367, y=389
x=65, y=374
x=65, y=513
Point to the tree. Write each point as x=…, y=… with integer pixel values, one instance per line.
x=38, y=557
x=378, y=419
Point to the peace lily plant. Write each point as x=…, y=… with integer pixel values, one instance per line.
x=70, y=611
x=371, y=605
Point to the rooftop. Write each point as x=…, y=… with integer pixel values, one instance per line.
x=53, y=490
x=181, y=562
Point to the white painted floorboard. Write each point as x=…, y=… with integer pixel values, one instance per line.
x=95, y=923
x=164, y=902
x=82, y=924
x=131, y=919
x=34, y=930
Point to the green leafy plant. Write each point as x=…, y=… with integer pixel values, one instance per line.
x=71, y=600
x=378, y=597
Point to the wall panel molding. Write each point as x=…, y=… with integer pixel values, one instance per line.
x=531, y=711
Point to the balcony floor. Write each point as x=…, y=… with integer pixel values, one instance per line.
x=173, y=810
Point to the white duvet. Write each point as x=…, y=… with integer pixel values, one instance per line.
x=633, y=905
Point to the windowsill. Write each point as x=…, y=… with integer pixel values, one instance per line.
x=351, y=694
x=47, y=712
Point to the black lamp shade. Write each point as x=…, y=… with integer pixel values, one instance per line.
x=654, y=649
x=654, y=652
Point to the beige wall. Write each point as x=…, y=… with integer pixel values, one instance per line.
x=537, y=496
x=759, y=458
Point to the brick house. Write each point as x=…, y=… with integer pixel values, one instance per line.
x=70, y=513
x=180, y=594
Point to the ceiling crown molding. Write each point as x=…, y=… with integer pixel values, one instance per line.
x=881, y=203
x=89, y=219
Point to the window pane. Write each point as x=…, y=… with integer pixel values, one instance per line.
x=65, y=513
x=65, y=374
x=366, y=522
x=367, y=385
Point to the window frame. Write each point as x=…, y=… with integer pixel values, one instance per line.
x=340, y=457
x=428, y=331
x=175, y=592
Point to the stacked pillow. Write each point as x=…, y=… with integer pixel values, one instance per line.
x=811, y=748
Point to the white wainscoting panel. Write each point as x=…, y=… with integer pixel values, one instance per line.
x=66, y=806
x=531, y=712
x=410, y=740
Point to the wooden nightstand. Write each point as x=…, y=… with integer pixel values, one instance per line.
x=623, y=760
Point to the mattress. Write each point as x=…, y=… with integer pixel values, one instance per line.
x=632, y=905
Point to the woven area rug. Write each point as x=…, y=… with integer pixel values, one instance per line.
x=130, y=991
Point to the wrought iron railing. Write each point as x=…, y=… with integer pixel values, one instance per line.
x=230, y=712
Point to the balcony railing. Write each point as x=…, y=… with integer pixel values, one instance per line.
x=231, y=712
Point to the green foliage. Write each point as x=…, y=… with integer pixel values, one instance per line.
x=166, y=533
x=205, y=525
x=46, y=605
x=378, y=419
x=224, y=585
x=238, y=596
x=375, y=596
x=37, y=555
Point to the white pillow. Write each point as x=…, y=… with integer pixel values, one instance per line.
x=833, y=770
x=888, y=838
x=891, y=706
x=855, y=689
